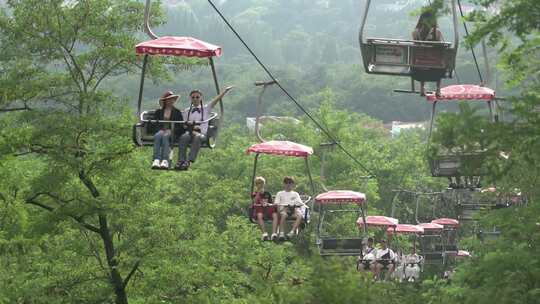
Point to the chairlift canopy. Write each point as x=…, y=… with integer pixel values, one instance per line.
x=339, y=197
x=446, y=222
x=463, y=92
x=286, y=148
x=178, y=46
x=378, y=221
x=463, y=253
x=431, y=226
x=405, y=229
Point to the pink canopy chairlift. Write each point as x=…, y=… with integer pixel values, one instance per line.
x=284, y=149
x=173, y=46
x=333, y=206
x=456, y=165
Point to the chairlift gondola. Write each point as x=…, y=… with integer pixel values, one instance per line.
x=463, y=164
x=334, y=203
x=431, y=243
x=179, y=47
x=449, y=234
x=410, y=58
x=410, y=265
x=286, y=149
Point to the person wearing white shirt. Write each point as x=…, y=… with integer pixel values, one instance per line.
x=196, y=134
x=366, y=260
x=386, y=258
x=412, y=266
x=288, y=202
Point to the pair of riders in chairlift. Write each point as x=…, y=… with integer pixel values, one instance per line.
x=186, y=134
x=398, y=266
x=287, y=203
x=427, y=30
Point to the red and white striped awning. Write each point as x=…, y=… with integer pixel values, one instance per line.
x=339, y=197
x=446, y=222
x=463, y=92
x=178, y=46
x=378, y=221
x=431, y=226
x=286, y=148
x=405, y=229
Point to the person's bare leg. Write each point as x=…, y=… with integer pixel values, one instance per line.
x=438, y=90
x=297, y=222
x=274, y=222
x=260, y=221
x=422, y=88
x=282, y=227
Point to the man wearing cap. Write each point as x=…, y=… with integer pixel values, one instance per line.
x=196, y=133
x=163, y=130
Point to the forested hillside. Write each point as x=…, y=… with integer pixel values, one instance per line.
x=83, y=218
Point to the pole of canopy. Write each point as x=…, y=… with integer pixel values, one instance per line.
x=254, y=173
x=432, y=119
x=310, y=178
x=216, y=84
x=147, y=28
x=141, y=86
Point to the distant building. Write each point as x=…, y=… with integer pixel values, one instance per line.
x=250, y=121
x=395, y=127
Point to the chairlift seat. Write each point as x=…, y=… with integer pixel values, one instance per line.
x=143, y=134
x=422, y=60
x=340, y=246
x=464, y=164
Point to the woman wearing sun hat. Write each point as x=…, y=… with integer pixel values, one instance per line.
x=162, y=136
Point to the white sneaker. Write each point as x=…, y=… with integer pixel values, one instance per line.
x=281, y=236
x=273, y=237
x=291, y=234
x=264, y=236
x=155, y=164
x=164, y=164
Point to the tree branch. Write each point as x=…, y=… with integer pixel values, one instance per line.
x=78, y=219
x=135, y=267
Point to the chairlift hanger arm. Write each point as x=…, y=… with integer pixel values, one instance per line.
x=147, y=28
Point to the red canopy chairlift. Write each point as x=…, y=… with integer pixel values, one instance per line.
x=335, y=203
x=431, y=243
x=452, y=165
x=173, y=46
x=449, y=234
x=287, y=149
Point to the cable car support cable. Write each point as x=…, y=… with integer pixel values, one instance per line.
x=323, y=129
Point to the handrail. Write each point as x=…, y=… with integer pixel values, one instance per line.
x=411, y=41
x=212, y=116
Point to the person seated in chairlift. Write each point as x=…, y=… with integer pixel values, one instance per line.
x=427, y=30
x=366, y=260
x=289, y=203
x=412, y=266
x=386, y=259
x=399, y=269
x=196, y=134
x=163, y=133
x=263, y=207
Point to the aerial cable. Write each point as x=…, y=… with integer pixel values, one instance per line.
x=472, y=48
x=323, y=129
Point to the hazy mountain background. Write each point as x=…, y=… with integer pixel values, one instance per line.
x=309, y=46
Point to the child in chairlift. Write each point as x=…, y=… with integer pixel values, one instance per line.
x=263, y=207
